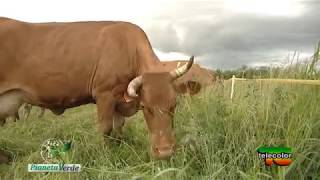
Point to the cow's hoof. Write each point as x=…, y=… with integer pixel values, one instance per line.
x=117, y=140
x=4, y=158
x=118, y=134
x=112, y=141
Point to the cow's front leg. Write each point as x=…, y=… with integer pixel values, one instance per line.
x=118, y=122
x=106, y=111
x=16, y=117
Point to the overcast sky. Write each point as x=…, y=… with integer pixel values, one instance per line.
x=220, y=33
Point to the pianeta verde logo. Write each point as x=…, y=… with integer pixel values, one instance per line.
x=53, y=150
x=280, y=156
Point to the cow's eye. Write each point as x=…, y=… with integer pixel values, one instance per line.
x=150, y=111
x=172, y=108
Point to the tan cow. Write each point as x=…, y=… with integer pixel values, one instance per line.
x=64, y=65
x=194, y=80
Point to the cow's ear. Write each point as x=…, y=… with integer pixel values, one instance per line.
x=180, y=88
x=127, y=98
x=193, y=87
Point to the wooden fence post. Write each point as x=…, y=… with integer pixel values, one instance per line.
x=232, y=86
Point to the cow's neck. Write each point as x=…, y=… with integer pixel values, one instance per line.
x=150, y=64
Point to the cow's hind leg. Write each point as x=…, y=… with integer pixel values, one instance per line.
x=4, y=157
x=10, y=103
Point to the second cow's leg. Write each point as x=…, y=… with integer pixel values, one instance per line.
x=41, y=114
x=16, y=117
x=2, y=121
x=27, y=110
x=106, y=109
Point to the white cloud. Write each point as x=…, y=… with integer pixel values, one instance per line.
x=72, y=10
x=266, y=7
x=163, y=56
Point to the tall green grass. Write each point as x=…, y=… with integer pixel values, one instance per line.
x=291, y=67
x=298, y=68
x=217, y=138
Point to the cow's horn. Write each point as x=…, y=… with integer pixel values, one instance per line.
x=182, y=70
x=134, y=86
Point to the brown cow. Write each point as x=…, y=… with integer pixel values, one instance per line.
x=192, y=82
x=64, y=65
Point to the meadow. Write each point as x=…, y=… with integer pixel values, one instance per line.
x=218, y=137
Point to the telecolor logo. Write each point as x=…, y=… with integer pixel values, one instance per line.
x=281, y=156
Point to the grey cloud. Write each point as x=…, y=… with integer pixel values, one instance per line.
x=165, y=36
x=226, y=40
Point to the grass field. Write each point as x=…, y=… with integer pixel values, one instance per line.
x=217, y=137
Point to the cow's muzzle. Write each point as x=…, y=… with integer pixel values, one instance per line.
x=163, y=152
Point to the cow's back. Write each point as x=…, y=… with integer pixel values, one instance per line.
x=49, y=60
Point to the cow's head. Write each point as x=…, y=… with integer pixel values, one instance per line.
x=158, y=98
